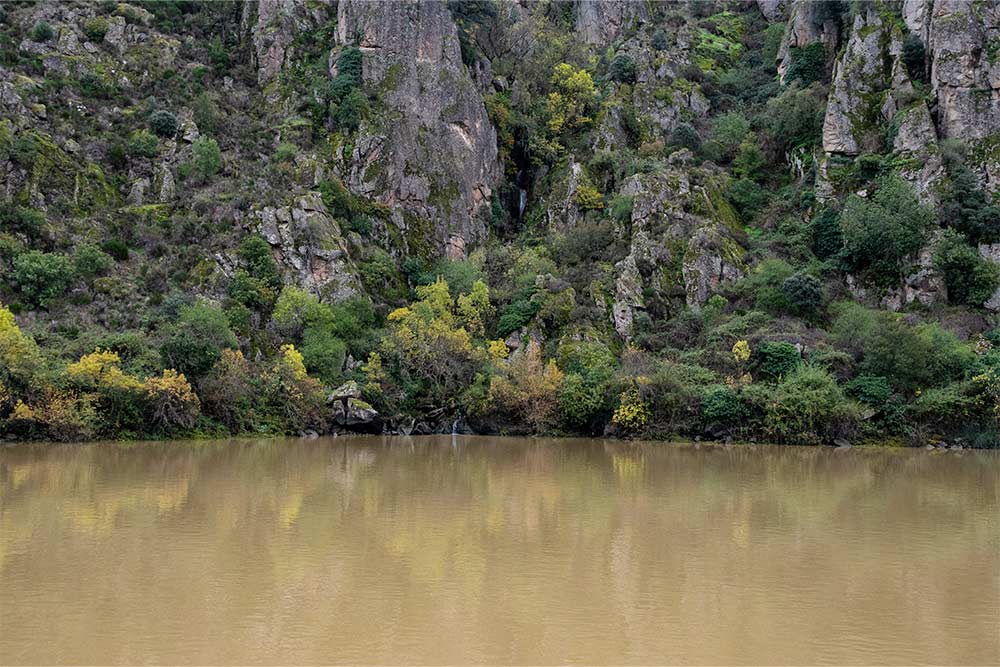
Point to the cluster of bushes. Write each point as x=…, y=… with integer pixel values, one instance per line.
x=107, y=395
x=40, y=278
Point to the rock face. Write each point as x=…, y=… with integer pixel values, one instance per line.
x=872, y=89
x=562, y=212
x=602, y=21
x=991, y=251
x=808, y=21
x=432, y=156
x=683, y=244
x=661, y=93
x=273, y=25
x=866, y=79
x=965, y=71
x=962, y=38
x=917, y=146
x=773, y=10
x=306, y=241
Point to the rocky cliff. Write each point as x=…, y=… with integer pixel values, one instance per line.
x=431, y=155
x=625, y=189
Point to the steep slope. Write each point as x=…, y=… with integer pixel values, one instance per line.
x=767, y=219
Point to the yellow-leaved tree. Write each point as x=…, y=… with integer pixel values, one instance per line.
x=429, y=345
x=172, y=402
x=20, y=360
x=524, y=394
x=117, y=397
x=570, y=104
x=297, y=399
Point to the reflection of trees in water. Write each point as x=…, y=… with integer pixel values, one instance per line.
x=492, y=530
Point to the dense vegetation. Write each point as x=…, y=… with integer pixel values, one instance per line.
x=119, y=322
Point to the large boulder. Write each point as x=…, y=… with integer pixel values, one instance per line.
x=351, y=413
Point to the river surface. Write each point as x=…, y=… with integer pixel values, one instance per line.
x=496, y=550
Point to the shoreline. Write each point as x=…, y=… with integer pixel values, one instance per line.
x=868, y=446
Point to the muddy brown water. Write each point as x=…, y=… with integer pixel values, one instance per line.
x=465, y=550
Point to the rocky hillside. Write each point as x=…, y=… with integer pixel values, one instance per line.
x=767, y=220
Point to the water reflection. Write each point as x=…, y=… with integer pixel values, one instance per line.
x=457, y=550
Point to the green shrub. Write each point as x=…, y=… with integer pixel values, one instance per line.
x=42, y=32
x=349, y=72
x=622, y=69
x=827, y=239
x=803, y=292
x=777, y=359
x=206, y=159
x=965, y=206
x=143, y=143
x=765, y=285
x=27, y=221
x=807, y=63
x=728, y=131
x=808, y=407
x=297, y=309
x=721, y=407
x=116, y=248
x=949, y=407
x=352, y=110
x=882, y=232
x=581, y=403
x=674, y=394
x=660, y=41
x=354, y=323
x=872, y=390
x=971, y=279
x=256, y=255
x=195, y=342
x=285, y=152
x=95, y=28
x=249, y=291
x=773, y=35
x=91, y=85
x=586, y=395
x=206, y=113
x=685, y=136
x=747, y=197
x=218, y=55
x=42, y=277
x=749, y=161
x=163, y=123
x=911, y=357
x=91, y=261
x=794, y=119
x=515, y=316
x=118, y=155
x=323, y=354
x=24, y=151
x=593, y=360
